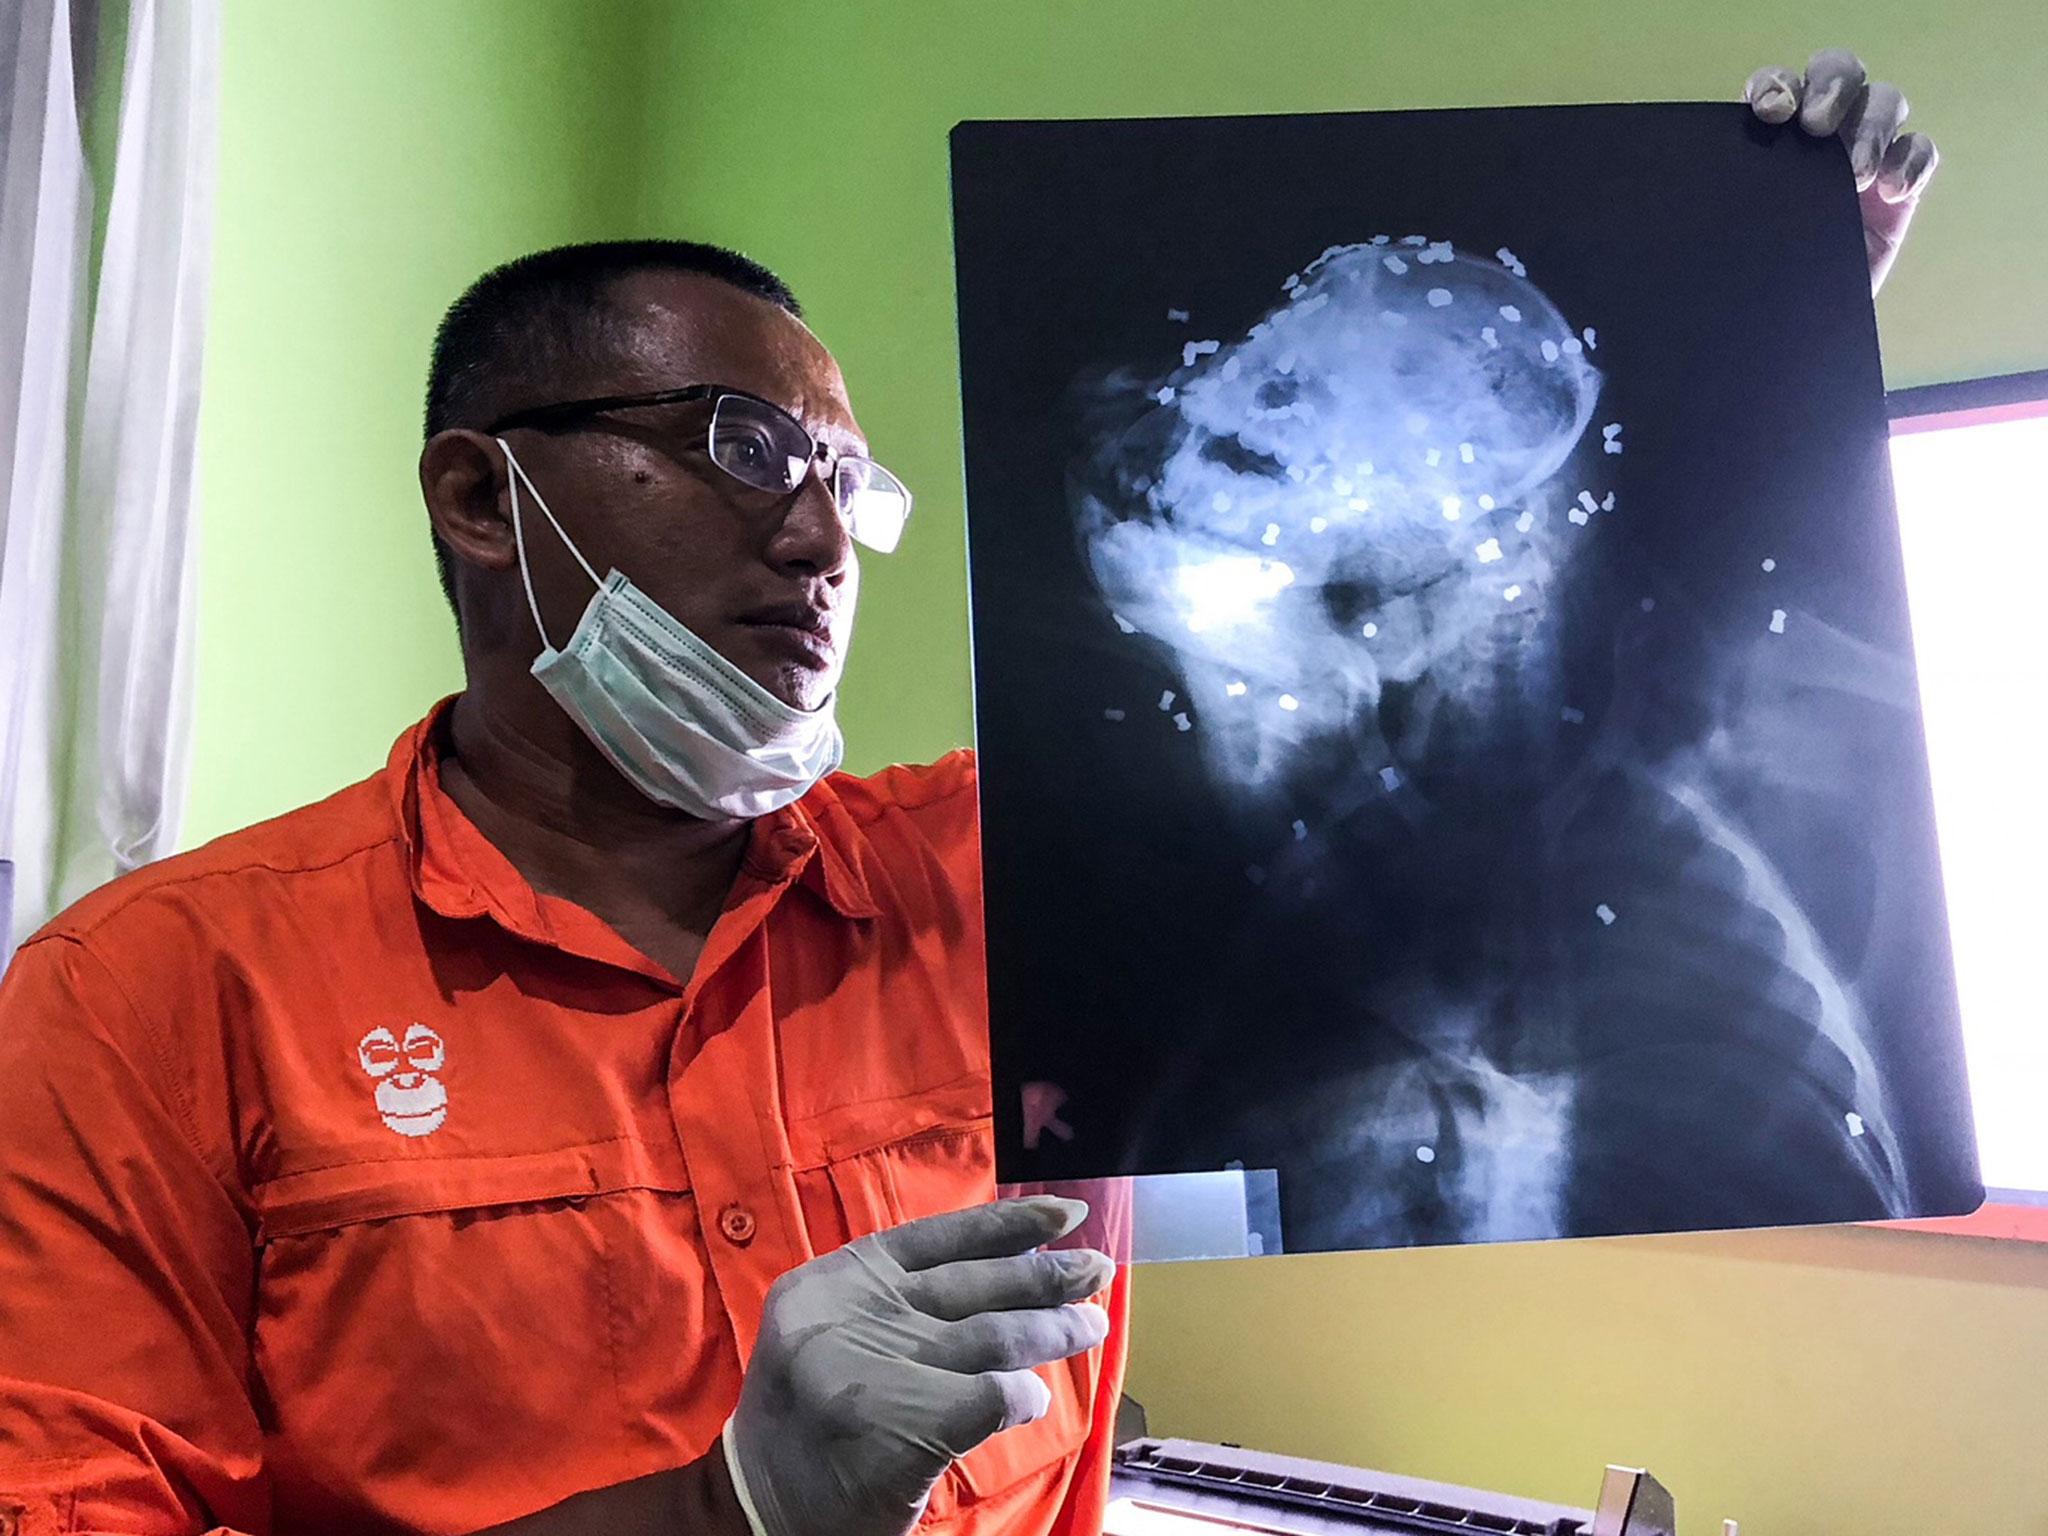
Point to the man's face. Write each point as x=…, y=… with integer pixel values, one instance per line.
x=769, y=580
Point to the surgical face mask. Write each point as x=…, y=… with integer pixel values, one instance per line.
x=685, y=726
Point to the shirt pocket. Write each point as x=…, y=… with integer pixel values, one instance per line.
x=429, y=1327
x=378, y=1189
x=945, y=1169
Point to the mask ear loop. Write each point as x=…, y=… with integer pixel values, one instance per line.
x=519, y=537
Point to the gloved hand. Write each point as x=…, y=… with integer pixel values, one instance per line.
x=881, y=1362
x=1892, y=168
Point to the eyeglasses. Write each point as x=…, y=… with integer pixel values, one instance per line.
x=762, y=446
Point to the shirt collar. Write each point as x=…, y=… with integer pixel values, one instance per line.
x=458, y=872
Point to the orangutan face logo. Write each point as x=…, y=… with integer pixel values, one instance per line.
x=412, y=1100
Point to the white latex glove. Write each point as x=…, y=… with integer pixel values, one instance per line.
x=1892, y=168
x=881, y=1362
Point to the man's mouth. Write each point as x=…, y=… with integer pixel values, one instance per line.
x=795, y=626
x=804, y=616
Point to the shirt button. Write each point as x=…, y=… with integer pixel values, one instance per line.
x=737, y=1223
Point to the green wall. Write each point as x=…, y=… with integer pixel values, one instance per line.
x=377, y=155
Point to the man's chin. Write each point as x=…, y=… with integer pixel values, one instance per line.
x=807, y=688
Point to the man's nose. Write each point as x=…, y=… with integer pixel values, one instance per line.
x=812, y=538
x=408, y=1079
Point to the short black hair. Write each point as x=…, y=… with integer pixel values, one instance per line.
x=536, y=313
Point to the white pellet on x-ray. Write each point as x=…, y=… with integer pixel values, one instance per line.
x=1164, y=395
x=1177, y=314
x=1854, y=1122
x=1395, y=265
x=1607, y=502
x=1572, y=346
x=1453, y=508
x=1112, y=714
x=1221, y=501
x=1235, y=690
x=1525, y=522
x=1195, y=349
x=1579, y=516
x=1586, y=500
x=1572, y=716
x=1371, y=630
x=1488, y=552
x=1360, y=504
x=1300, y=831
x=1271, y=536
x=1486, y=502
x=1425, y=1154
x=1590, y=334
x=1511, y=313
x=1439, y=297
x=1509, y=594
x=1318, y=525
x=1777, y=621
x=1391, y=778
x=1605, y=913
x=1166, y=700
x=1550, y=351
x=1182, y=723
x=1434, y=457
x=1467, y=454
x=1289, y=702
x=1770, y=565
x=1489, y=335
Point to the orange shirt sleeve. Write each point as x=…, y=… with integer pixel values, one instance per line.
x=126, y=1270
x=1081, y=1512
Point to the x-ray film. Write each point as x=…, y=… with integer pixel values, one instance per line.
x=1448, y=731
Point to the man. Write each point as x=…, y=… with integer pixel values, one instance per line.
x=556, y=1121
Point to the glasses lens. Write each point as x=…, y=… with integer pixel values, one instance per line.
x=874, y=503
x=758, y=444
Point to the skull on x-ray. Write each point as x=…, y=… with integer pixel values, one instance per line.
x=1356, y=493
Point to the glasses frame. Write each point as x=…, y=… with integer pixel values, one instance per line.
x=565, y=415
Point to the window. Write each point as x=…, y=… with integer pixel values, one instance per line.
x=1970, y=466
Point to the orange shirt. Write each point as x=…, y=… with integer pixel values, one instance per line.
x=349, y=1184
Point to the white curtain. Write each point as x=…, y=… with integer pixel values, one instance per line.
x=99, y=407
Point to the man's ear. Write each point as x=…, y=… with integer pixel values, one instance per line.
x=463, y=479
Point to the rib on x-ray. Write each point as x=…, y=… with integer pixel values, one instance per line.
x=1548, y=885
